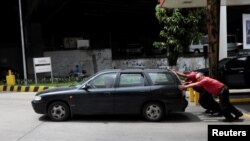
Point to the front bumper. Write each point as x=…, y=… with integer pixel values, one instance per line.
x=39, y=107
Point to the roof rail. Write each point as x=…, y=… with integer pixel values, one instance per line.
x=136, y=67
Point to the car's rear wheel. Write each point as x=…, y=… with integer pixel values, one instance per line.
x=153, y=111
x=58, y=111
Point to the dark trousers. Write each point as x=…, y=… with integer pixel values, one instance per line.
x=227, y=108
x=207, y=101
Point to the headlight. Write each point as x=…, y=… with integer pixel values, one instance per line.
x=37, y=98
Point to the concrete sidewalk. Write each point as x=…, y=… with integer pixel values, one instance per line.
x=200, y=112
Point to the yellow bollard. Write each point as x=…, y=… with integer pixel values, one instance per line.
x=191, y=94
x=196, y=98
x=10, y=78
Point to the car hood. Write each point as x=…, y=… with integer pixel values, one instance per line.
x=56, y=90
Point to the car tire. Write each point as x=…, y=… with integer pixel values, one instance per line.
x=58, y=111
x=196, y=51
x=153, y=111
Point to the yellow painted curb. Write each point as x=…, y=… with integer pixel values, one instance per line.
x=8, y=88
x=41, y=88
x=237, y=100
x=15, y=88
x=31, y=88
x=23, y=88
x=19, y=88
x=240, y=100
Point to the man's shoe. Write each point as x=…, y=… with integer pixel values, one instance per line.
x=207, y=111
x=238, y=116
x=219, y=114
x=228, y=119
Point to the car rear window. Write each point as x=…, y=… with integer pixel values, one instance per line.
x=159, y=78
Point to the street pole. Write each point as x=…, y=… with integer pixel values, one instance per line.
x=213, y=25
x=22, y=40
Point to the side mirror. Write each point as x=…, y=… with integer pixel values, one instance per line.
x=86, y=87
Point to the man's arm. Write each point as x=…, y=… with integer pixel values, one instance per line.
x=181, y=74
x=182, y=87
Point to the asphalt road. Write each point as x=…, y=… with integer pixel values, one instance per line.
x=18, y=122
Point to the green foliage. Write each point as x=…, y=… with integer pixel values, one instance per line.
x=180, y=27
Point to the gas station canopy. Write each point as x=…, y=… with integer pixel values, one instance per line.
x=199, y=3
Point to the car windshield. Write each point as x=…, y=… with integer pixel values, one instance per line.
x=204, y=40
x=223, y=61
x=79, y=84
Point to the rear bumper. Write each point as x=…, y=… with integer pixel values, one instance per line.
x=185, y=104
x=177, y=106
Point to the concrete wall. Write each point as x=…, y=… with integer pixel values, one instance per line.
x=191, y=63
x=183, y=64
x=147, y=63
x=96, y=60
x=91, y=61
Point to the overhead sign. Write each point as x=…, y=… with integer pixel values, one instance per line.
x=42, y=61
x=184, y=3
x=199, y=3
x=234, y=2
x=246, y=31
x=41, y=69
x=42, y=65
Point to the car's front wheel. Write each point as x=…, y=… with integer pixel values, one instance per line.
x=58, y=111
x=196, y=51
x=153, y=111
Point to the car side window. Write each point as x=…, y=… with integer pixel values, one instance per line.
x=237, y=62
x=104, y=81
x=131, y=80
x=159, y=78
x=204, y=40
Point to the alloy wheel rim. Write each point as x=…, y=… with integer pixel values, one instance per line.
x=153, y=112
x=58, y=111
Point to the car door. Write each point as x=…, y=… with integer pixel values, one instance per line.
x=131, y=92
x=235, y=72
x=98, y=98
x=247, y=72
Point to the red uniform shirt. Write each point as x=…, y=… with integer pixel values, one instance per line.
x=211, y=85
x=191, y=77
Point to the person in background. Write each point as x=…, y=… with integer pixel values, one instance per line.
x=206, y=100
x=75, y=71
x=219, y=89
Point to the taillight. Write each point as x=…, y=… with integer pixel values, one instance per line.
x=184, y=93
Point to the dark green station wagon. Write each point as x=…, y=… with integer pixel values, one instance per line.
x=152, y=93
